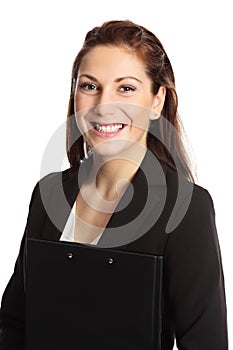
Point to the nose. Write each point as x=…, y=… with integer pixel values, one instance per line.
x=106, y=105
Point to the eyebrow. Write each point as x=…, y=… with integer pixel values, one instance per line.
x=116, y=80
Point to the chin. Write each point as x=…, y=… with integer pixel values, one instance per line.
x=112, y=148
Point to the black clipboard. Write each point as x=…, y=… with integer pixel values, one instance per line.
x=84, y=297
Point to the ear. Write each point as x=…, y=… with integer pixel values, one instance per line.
x=158, y=103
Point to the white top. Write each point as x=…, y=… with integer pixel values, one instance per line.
x=68, y=232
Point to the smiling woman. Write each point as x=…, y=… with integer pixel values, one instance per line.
x=116, y=94
x=129, y=187
x=139, y=67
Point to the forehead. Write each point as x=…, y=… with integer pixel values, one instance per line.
x=112, y=60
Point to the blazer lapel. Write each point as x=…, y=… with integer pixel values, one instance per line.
x=58, y=201
x=140, y=206
x=136, y=212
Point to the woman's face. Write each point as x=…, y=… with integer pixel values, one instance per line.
x=114, y=102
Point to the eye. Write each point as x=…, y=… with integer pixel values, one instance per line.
x=88, y=87
x=127, y=88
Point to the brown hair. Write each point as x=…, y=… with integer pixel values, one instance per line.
x=159, y=69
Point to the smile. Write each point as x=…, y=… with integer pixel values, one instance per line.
x=108, y=128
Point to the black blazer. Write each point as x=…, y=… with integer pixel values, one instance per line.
x=194, y=306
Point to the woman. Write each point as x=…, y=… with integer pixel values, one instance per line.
x=124, y=138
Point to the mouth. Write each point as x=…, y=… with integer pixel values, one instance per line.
x=110, y=128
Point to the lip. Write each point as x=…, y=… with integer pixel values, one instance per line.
x=106, y=134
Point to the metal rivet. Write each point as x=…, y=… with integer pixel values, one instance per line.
x=70, y=255
x=110, y=260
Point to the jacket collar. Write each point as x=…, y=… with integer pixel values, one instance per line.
x=132, y=216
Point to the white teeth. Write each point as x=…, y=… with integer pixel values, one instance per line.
x=108, y=128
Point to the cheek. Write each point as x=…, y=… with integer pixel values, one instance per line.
x=139, y=115
x=140, y=130
x=83, y=102
x=80, y=117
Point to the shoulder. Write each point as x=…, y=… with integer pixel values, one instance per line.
x=198, y=193
x=192, y=204
x=54, y=178
x=201, y=201
x=48, y=183
x=191, y=227
x=44, y=190
x=201, y=204
x=192, y=232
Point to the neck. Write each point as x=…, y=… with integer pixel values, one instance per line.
x=111, y=175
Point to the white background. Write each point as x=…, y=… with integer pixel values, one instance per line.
x=39, y=41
